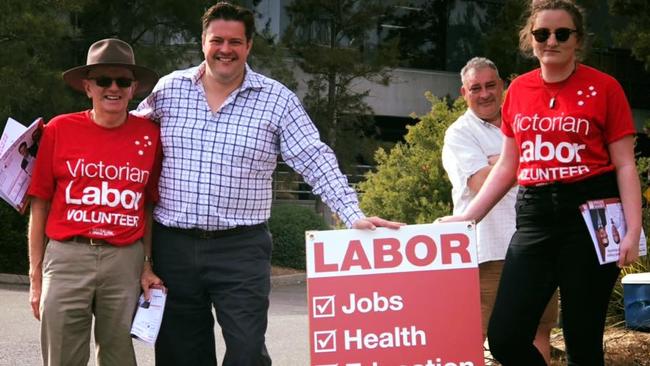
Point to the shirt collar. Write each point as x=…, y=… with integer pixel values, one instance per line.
x=252, y=80
x=473, y=116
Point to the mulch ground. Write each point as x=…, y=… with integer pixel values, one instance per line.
x=623, y=347
x=280, y=271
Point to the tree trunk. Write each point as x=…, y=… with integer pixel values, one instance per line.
x=332, y=114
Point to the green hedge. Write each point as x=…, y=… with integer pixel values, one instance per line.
x=288, y=224
x=410, y=183
x=13, y=241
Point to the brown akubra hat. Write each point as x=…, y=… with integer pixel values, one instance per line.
x=111, y=52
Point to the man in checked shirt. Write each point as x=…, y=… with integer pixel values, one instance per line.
x=222, y=128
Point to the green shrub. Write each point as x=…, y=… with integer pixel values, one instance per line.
x=13, y=241
x=616, y=310
x=288, y=224
x=410, y=184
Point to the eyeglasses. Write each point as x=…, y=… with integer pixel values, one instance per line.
x=106, y=82
x=561, y=34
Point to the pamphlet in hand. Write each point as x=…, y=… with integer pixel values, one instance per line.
x=148, y=317
x=18, y=147
x=607, y=227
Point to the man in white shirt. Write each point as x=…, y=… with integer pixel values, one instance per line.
x=472, y=146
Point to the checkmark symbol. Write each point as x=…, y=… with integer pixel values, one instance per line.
x=325, y=341
x=322, y=343
x=323, y=306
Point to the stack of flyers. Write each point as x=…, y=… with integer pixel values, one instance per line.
x=148, y=317
x=18, y=147
x=606, y=224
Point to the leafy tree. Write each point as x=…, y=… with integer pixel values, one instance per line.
x=166, y=33
x=636, y=32
x=41, y=38
x=421, y=32
x=444, y=34
x=502, y=41
x=410, y=184
x=163, y=33
x=33, y=49
x=272, y=58
x=331, y=42
x=33, y=56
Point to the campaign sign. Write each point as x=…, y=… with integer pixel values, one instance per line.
x=407, y=297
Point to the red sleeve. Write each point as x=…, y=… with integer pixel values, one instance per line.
x=43, y=184
x=506, y=121
x=151, y=190
x=619, y=122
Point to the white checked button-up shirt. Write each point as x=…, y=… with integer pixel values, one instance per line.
x=468, y=143
x=217, y=167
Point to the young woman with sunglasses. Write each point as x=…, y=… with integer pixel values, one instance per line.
x=569, y=138
x=93, y=185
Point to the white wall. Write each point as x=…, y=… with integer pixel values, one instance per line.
x=405, y=93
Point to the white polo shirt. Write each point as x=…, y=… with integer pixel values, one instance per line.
x=468, y=143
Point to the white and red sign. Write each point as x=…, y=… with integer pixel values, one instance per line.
x=407, y=297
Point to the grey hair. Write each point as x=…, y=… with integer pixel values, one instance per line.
x=477, y=63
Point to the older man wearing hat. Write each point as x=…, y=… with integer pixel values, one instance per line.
x=93, y=185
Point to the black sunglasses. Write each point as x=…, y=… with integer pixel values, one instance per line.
x=105, y=81
x=561, y=34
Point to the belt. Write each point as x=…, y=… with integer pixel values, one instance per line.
x=603, y=185
x=213, y=234
x=89, y=241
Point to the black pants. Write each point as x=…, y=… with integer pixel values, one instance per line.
x=552, y=248
x=231, y=273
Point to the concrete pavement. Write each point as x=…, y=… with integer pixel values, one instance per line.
x=287, y=335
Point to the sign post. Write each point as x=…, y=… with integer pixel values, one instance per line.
x=407, y=297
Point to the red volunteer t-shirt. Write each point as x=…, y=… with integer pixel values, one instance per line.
x=566, y=143
x=97, y=179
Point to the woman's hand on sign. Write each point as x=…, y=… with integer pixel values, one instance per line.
x=450, y=218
